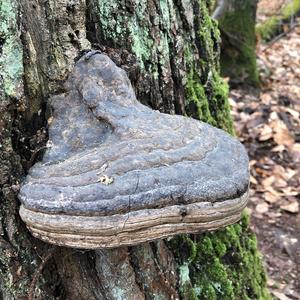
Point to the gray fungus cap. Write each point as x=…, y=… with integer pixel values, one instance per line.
x=119, y=173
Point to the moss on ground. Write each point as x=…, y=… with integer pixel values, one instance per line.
x=273, y=25
x=221, y=265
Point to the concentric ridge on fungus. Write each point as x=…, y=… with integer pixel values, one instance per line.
x=119, y=173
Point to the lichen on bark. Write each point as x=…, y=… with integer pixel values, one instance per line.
x=206, y=266
x=15, y=258
x=11, y=66
x=176, y=44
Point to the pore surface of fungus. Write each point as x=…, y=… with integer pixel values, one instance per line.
x=119, y=173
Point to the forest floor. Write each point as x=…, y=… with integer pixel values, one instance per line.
x=269, y=8
x=267, y=121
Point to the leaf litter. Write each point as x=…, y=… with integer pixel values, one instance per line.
x=267, y=121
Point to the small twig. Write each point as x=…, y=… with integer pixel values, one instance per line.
x=278, y=37
x=39, y=271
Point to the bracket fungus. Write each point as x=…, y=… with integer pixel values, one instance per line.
x=119, y=173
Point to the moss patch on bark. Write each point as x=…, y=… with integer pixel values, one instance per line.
x=238, y=58
x=221, y=265
x=206, y=93
x=177, y=46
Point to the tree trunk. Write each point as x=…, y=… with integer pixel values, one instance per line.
x=170, y=49
x=237, y=23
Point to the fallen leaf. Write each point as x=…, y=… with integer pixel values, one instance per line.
x=266, y=133
x=285, y=174
x=293, y=112
x=232, y=102
x=295, y=151
x=281, y=134
x=289, y=173
x=289, y=191
x=266, y=98
x=262, y=208
x=274, y=116
x=280, y=295
x=271, y=198
x=292, y=207
x=268, y=181
x=278, y=148
x=253, y=180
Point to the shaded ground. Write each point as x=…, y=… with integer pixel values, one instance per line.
x=268, y=123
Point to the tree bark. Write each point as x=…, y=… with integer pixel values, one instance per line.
x=170, y=49
x=237, y=24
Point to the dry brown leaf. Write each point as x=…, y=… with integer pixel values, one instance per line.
x=274, y=116
x=268, y=181
x=278, y=148
x=262, y=172
x=289, y=191
x=289, y=173
x=280, y=296
x=283, y=138
x=273, y=191
x=271, y=198
x=295, y=151
x=266, y=133
x=253, y=180
x=293, y=112
x=262, y=208
x=281, y=134
x=292, y=207
x=266, y=98
x=280, y=183
x=232, y=102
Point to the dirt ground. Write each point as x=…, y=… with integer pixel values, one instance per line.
x=267, y=121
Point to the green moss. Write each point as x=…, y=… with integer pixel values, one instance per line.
x=196, y=101
x=226, y=265
x=207, y=95
x=238, y=58
x=219, y=105
x=273, y=25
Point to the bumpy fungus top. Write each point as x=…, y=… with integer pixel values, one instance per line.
x=119, y=173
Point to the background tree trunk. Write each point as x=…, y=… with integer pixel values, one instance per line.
x=170, y=50
x=237, y=24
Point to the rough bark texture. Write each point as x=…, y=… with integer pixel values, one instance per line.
x=237, y=24
x=170, y=50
